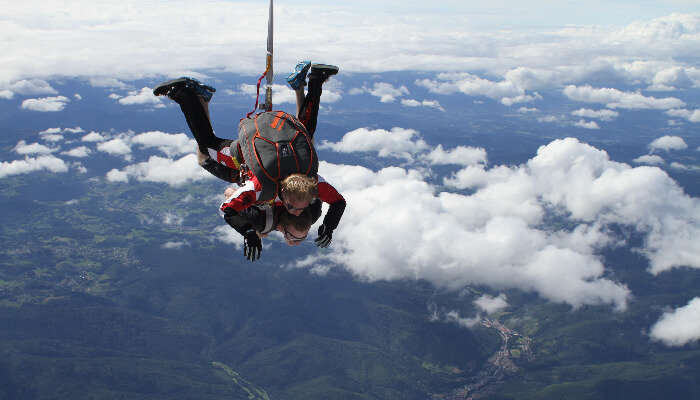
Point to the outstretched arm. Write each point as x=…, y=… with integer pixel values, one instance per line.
x=328, y=194
x=248, y=223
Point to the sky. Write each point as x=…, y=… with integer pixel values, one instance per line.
x=507, y=51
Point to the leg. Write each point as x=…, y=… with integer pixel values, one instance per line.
x=300, y=99
x=212, y=152
x=308, y=113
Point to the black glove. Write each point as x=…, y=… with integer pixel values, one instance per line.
x=325, y=236
x=252, y=246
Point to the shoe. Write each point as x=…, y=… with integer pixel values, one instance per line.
x=297, y=78
x=174, y=88
x=324, y=71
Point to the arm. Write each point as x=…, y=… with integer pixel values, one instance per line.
x=328, y=194
x=314, y=209
x=245, y=220
x=248, y=223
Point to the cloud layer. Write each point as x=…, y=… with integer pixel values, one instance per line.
x=400, y=226
x=139, y=39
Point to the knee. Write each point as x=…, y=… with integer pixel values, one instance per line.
x=202, y=158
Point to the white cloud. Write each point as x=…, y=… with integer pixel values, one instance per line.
x=78, y=152
x=228, y=235
x=175, y=245
x=680, y=326
x=46, y=104
x=30, y=164
x=169, y=144
x=77, y=129
x=386, y=92
x=425, y=103
x=490, y=304
x=77, y=96
x=118, y=146
x=106, y=82
x=587, y=124
x=115, y=175
x=651, y=159
x=281, y=94
x=93, y=137
x=79, y=167
x=486, y=245
x=52, y=138
x=525, y=110
x=613, y=98
x=684, y=167
x=143, y=96
x=692, y=116
x=55, y=134
x=33, y=148
x=32, y=87
x=162, y=170
x=170, y=218
x=397, y=142
x=460, y=155
x=672, y=78
x=453, y=316
x=495, y=232
x=603, y=115
x=668, y=143
x=50, y=131
x=6, y=94
x=506, y=91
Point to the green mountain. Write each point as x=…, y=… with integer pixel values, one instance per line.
x=94, y=306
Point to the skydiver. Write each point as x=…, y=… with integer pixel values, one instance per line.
x=257, y=221
x=222, y=157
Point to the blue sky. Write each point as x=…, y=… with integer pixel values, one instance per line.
x=609, y=60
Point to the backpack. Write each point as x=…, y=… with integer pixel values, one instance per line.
x=275, y=145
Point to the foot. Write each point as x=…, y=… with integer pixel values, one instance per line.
x=297, y=79
x=176, y=87
x=323, y=71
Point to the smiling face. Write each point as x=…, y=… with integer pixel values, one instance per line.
x=294, y=225
x=293, y=236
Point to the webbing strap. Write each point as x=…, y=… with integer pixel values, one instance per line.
x=269, y=217
x=257, y=95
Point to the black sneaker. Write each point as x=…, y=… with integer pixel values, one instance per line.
x=173, y=88
x=324, y=71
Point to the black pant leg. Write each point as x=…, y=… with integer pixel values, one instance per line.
x=199, y=123
x=308, y=114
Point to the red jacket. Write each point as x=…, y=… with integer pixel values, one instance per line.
x=248, y=194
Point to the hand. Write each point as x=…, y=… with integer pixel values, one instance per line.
x=252, y=246
x=325, y=236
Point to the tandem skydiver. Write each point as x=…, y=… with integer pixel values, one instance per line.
x=223, y=157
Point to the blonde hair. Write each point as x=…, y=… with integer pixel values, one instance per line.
x=298, y=187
